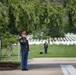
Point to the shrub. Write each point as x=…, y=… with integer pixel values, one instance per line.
x=8, y=38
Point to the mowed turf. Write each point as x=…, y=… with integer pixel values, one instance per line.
x=53, y=51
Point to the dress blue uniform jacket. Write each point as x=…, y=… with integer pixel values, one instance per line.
x=24, y=44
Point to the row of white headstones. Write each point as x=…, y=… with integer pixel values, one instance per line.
x=69, y=39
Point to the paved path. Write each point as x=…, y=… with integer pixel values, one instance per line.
x=43, y=66
x=68, y=69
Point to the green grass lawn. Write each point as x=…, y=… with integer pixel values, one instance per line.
x=53, y=51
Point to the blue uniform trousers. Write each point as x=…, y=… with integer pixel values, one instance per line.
x=45, y=50
x=24, y=60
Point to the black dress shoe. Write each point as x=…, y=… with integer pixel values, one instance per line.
x=24, y=69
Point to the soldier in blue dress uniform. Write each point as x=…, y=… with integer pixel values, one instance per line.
x=24, y=50
x=45, y=47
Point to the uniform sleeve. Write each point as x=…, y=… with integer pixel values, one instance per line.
x=27, y=45
x=22, y=41
x=47, y=45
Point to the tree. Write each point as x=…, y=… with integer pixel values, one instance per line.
x=55, y=21
x=70, y=6
x=3, y=18
x=38, y=16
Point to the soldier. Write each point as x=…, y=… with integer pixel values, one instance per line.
x=24, y=50
x=45, y=47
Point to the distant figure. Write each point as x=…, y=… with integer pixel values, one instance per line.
x=24, y=50
x=45, y=47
